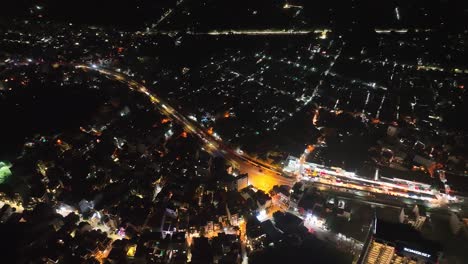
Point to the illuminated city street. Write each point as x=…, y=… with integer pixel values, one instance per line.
x=233, y=132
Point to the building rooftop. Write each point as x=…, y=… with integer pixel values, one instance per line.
x=403, y=236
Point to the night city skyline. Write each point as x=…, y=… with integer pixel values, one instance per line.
x=267, y=131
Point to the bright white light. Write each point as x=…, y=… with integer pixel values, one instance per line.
x=97, y=215
x=397, y=13
x=169, y=133
x=94, y=66
x=417, y=252
x=314, y=219
x=64, y=210
x=262, y=215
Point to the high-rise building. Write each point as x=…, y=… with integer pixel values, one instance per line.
x=395, y=243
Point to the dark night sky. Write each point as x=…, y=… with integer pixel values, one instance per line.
x=104, y=12
x=135, y=13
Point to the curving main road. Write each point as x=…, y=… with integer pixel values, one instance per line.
x=261, y=175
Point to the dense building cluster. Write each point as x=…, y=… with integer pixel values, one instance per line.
x=172, y=138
